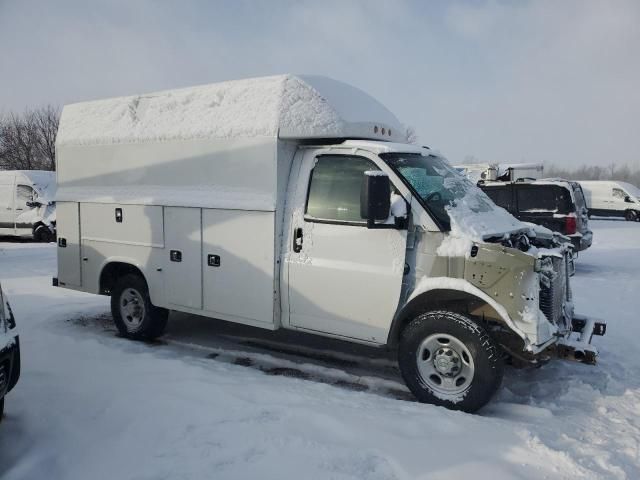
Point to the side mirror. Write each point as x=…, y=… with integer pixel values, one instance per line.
x=375, y=197
x=628, y=199
x=33, y=204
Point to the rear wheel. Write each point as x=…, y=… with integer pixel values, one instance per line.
x=133, y=313
x=449, y=360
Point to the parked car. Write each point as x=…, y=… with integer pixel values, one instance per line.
x=556, y=204
x=9, y=351
x=27, y=207
x=612, y=199
x=283, y=202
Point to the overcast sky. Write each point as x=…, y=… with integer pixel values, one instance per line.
x=554, y=81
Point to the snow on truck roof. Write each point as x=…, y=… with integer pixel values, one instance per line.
x=284, y=106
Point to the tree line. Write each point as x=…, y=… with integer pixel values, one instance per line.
x=622, y=173
x=27, y=140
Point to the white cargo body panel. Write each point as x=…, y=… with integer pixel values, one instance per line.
x=183, y=240
x=238, y=261
x=69, y=244
x=117, y=223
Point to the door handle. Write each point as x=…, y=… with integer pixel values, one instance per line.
x=213, y=260
x=297, y=240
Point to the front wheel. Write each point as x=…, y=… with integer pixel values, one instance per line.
x=133, y=313
x=449, y=360
x=631, y=215
x=43, y=234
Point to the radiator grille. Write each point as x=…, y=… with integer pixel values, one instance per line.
x=554, y=295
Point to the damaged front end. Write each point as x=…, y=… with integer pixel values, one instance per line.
x=575, y=332
x=540, y=299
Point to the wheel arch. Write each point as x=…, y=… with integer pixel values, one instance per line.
x=456, y=295
x=115, y=268
x=631, y=214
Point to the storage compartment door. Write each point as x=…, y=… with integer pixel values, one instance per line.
x=237, y=257
x=183, y=250
x=68, y=231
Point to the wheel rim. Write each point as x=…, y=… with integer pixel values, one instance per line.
x=445, y=364
x=132, y=310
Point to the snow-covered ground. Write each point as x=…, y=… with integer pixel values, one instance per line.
x=210, y=402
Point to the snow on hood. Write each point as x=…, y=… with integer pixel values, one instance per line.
x=470, y=218
x=474, y=218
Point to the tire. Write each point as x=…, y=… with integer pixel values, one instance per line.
x=133, y=313
x=631, y=215
x=446, y=359
x=43, y=234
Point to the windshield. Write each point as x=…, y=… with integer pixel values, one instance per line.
x=453, y=201
x=438, y=185
x=632, y=190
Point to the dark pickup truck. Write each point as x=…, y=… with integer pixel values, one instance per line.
x=556, y=204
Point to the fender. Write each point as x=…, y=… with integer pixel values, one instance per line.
x=428, y=284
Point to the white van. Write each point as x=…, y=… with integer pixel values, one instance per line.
x=27, y=208
x=292, y=202
x=612, y=199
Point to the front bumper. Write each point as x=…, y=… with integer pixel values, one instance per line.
x=576, y=345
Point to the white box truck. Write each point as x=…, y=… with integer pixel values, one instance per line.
x=27, y=208
x=608, y=198
x=292, y=202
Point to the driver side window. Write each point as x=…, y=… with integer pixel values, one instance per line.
x=334, y=188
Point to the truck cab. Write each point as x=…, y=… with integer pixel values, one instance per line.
x=314, y=216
